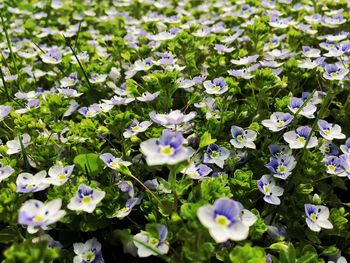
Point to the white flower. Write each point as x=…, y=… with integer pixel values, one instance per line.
x=14, y=146
x=86, y=199
x=226, y=219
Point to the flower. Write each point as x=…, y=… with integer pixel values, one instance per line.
x=4, y=111
x=278, y=121
x=158, y=244
x=125, y=211
x=52, y=56
x=172, y=119
x=216, y=154
x=113, y=162
x=28, y=183
x=330, y=131
x=35, y=214
x=146, y=96
x=59, y=174
x=333, y=165
x=226, y=219
x=346, y=147
x=136, y=127
x=282, y=166
x=242, y=137
x=86, y=199
x=307, y=110
x=69, y=81
x=333, y=72
x=5, y=171
x=197, y=171
x=88, y=252
x=344, y=160
x=159, y=187
x=167, y=149
x=14, y=146
x=267, y=186
x=216, y=86
x=317, y=217
x=329, y=148
x=297, y=139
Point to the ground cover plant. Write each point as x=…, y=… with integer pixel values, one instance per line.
x=174, y=131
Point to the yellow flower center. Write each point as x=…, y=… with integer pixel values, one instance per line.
x=89, y=256
x=280, y=123
x=86, y=199
x=301, y=139
x=216, y=88
x=222, y=221
x=240, y=138
x=135, y=128
x=167, y=150
x=313, y=217
x=39, y=218
x=266, y=189
x=281, y=169
x=334, y=74
x=331, y=168
x=62, y=176
x=114, y=164
x=153, y=242
x=327, y=132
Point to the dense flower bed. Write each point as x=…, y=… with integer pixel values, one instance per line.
x=174, y=131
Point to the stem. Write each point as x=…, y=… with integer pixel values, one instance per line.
x=81, y=66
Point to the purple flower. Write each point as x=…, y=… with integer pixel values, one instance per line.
x=5, y=171
x=226, y=219
x=216, y=86
x=69, y=81
x=329, y=148
x=86, y=199
x=282, y=166
x=144, y=241
x=311, y=52
x=333, y=72
x=243, y=137
x=88, y=252
x=113, y=162
x=197, y=171
x=216, y=155
x=346, y=147
x=344, y=160
x=244, y=73
x=35, y=214
x=52, y=56
x=278, y=121
x=333, y=165
x=172, y=119
x=28, y=183
x=279, y=150
x=307, y=110
x=297, y=139
x=125, y=211
x=167, y=149
x=330, y=131
x=267, y=186
x=4, y=111
x=136, y=127
x=317, y=217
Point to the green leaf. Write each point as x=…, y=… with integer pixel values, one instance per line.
x=308, y=258
x=8, y=235
x=88, y=163
x=247, y=254
x=206, y=140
